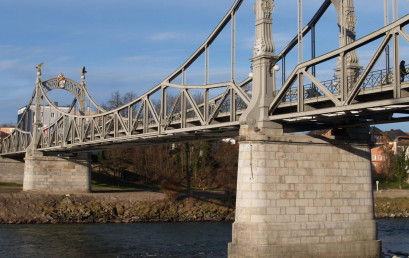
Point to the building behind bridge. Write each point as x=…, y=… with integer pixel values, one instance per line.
x=5, y=131
x=48, y=115
x=384, y=144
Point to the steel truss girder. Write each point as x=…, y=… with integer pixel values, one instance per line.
x=387, y=32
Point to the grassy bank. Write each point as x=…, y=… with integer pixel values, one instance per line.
x=10, y=185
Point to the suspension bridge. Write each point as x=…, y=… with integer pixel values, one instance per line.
x=297, y=195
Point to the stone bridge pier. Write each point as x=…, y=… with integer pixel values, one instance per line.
x=63, y=173
x=302, y=196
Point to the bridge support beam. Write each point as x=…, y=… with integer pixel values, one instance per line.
x=300, y=196
x=64, y=174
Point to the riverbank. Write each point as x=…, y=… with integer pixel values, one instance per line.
x=392, y=203
x=17, y=207
x=109, y=207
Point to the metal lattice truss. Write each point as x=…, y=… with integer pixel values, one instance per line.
x=174, y=112
x=144, y=118
x=363, y=95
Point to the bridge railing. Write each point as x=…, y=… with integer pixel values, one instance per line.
x=16, y=142
x=377, y=79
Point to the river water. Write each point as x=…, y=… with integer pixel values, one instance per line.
x=198, y=239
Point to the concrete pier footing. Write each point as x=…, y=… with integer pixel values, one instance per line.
x=66, y=174
x=300, y=196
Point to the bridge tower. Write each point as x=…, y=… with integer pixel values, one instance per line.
x=54, y=173
x=297, y=195
x=347, y=34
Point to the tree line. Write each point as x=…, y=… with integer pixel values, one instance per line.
x=198, y=164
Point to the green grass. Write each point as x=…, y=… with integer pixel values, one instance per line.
x=107, y=182
x=391, y=185
x=109, y=187
x=10, y=185
x=121, y=186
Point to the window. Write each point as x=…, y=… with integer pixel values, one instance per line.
x=379, y=157
x=52, y=114
x=373, y=157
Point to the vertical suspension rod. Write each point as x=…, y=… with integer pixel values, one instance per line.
x=395, y=12
x=300, y=47
x=313, y=48
x=300, y=90
x=207, y=52
x=283, y=75
x=386, y=22
x=183, y=76
x=233, y=45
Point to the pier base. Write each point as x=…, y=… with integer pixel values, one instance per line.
x=66, y=174
x=11, y=170
x=300, y=196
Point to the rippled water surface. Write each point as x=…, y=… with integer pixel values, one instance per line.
x=205, y=239
x=115, y=240
x=394, y=234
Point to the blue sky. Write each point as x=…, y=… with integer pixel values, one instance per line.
x=132, y=45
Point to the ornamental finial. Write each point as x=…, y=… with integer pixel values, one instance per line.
x=61, y=81
x=83, y=71
x=264, y=43
x=39, y=67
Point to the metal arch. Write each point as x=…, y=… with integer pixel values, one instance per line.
x=71, y=86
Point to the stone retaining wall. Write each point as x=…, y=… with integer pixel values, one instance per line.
x=11, y=170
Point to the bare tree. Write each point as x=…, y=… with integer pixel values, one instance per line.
x=9, y=124
x=116, y=100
